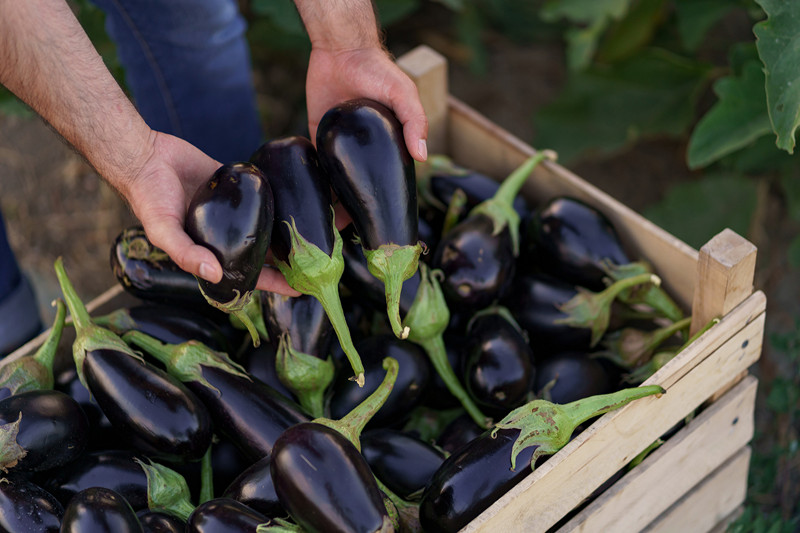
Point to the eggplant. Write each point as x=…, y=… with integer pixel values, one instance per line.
x=159, y=522
x=254, y=488
x=457, y=433
x=259, y=362
x=232, y=215
x=401, y=460
x=223, y=515
x=244, y=409
x=361, y=148
x=99, y=510
x=306, y=244
x=40, y=430
x=569, y=376
x=477, y=474
x=478, y=256
x=148, y=273
x=155, y=410
x=499, y=366
x=26, y=506
x=34, y=371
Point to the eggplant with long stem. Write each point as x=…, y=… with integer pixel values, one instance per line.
x=306, y=246
x=478, y=256
x=232, y=215
x=362, y=150
x=153, y=408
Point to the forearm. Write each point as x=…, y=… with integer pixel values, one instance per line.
x=340, y=25
x=47, y=60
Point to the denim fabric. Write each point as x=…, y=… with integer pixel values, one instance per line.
x=187, y=65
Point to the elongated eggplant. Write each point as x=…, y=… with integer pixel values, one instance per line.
x=156, y=411
x=147, y=272
x=402, y=461
x=34, y=371
x=478, y=256
x=305, y=242
x=224, y=515
x=499, y=364
x=232, y=215
x=39, y=430
x=99, y=510
x=246, y=410
x=160, y=522
x=480, y=472
x=361, y=147
x=254, y=488
x=26, y=506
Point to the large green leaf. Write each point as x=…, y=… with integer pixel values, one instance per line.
x=633, y=32
x=695, y=17
x=696, y=211
x=605, y=107
x=738, y=118
x=778, y=42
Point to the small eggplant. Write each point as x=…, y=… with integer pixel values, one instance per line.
x=361, y=147
x=224, y=515
x=160, y=522
x=305, y=242
x=259, y=362
x=254, y=488
x=40, y=430
x=232, y=215
x=569, y=376
x=478, y=255
x=460, y=431
x=499, y=367
x=25, y=506
x=246, y=410
x=34, y=371
x=99, y=510
x=155, y=410
x=480, y=472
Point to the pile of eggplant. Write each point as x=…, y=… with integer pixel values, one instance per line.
x=446, y=341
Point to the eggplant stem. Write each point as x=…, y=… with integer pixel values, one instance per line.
x=393, y=264
x=206, y=478
x=46, y=353
x=307, y=376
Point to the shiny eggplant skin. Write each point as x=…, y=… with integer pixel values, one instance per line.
x=362, y=150
x=459, y=432
x=499, y=365
x=260, y=363
x=117, y=470
x=478, y=266
x=254, y=488
x=25, y=506
x=535, y=300
x=248, y=411
x=158, y=522
x=50, y=427
x=577, y=375
x=223, y=515
x=302, y=317
x=402, y=461
x=477, y=187
x=300, y=191
x=232, y=215
x=324, y=483
x=147, y=272
x=570, y=240
x=99, y=510
x=471, y=479
x=409, y=389
x=159, y=413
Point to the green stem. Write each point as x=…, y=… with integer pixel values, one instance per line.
x=307, y=376
x=46, y=353
x=454, y=210
x=80, y=316
x=206, y=478
x=510, y=187
x=328, y=296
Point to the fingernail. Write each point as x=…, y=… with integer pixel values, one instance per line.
x=423, y=149
x=207, y=272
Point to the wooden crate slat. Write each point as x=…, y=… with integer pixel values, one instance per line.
x=673, y=469
x=428, y=69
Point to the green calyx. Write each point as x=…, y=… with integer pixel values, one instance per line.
x=500, y=208
x=311, y=271
x=10, y=451
x=185, y=361
x=631, y=347
x=307, y=376
x=651, y=295
x=393, y=264
x=436, y=164
x=167, y=490
x=252, y=310
x=237, y=308
x=549, y=426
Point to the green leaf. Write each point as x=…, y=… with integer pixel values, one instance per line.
x=584, y=11
x=737, y=118
x=696, y=211
x=695, y=17
x=391, y=11
x=605, y=107
x=778, y=42
x=633, y=32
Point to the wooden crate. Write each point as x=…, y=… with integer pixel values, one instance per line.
x=698, y=478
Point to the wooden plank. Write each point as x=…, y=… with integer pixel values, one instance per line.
x=428, y=69
x=571, y=475
x=713, y=504
x=696, y=451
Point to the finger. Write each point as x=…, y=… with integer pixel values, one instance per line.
x=189, y=256
x=408, y=109
x=272, y=280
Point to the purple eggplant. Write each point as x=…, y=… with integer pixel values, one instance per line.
x=305, y=242
x=152, y=408
x=160, y=522
x=25, y=506
x=232, y=215
x=254, y=488
x=362, y=150
x=477, y=474
x=246, y=410
x=460, y=431
x=259, y=362
x=224, y=515
x=40, y=430
x=569, y=376
x=99, y=510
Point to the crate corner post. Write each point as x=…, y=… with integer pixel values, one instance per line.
x=428, y=69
